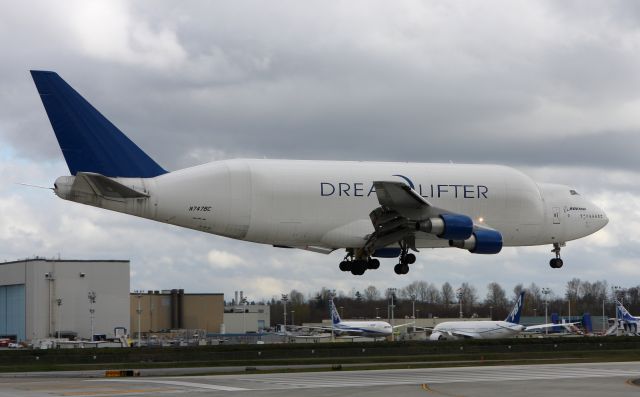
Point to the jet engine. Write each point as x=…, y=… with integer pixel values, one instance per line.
x=482, y=241
x=448, y=226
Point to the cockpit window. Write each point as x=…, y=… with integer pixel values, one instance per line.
x=574, y=193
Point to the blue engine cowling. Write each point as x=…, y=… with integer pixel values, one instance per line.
x=487, y=242
x=456, y=227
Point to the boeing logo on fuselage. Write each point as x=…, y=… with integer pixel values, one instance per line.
x=362, y=189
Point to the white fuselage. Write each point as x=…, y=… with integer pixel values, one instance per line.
x=327, y=203
x=475, y=330
x=364, y=328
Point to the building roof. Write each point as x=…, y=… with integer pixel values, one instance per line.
x=37, y=259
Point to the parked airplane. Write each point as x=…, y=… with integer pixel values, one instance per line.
x=485, y=329
x=371, y=209
x=367, y=328
x=629, y=322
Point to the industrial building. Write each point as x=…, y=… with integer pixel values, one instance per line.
x=40, y=298
x=174, y=309
x=242, y=316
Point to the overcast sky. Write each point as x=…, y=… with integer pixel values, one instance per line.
x=551, y=88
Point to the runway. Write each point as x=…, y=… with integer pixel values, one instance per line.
x=597, y=379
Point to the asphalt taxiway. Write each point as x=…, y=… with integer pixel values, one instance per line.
x=586, y=379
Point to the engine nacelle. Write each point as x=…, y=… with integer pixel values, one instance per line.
x=437, y=336
x=448, y=226
x=481, y=242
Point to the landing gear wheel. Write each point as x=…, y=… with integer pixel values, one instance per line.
x=373, y=264
x=404, y=269
x=398, y=268
x=556, y=263
x=358, y=267
x=409, y=259
x=345, y=266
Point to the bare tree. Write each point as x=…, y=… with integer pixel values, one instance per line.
x=573, y=288
x=517, y=290
x=432, y=295
x=468, y=294
x=447, y=294
x=409, y=290
x=496, y=296
x=371, y=293
x=296, y=297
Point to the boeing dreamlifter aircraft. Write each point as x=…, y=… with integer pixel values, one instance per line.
x=371, y=209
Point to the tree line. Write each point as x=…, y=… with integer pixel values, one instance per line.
x=427, y=300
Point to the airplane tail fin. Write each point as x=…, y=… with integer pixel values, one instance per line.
x=514, y=316
x=623, y=313
x=89, y=142
x=335, y=317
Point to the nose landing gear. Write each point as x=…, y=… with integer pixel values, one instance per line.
x=556, y=263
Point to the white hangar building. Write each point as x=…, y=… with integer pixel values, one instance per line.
x=39, y=297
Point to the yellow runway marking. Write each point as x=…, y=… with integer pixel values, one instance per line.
x=426, y=387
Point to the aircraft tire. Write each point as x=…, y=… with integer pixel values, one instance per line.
x=373, y=264
x=405, y=269
x=345, y=266
x=358, y=267
x=398, y=268
x=410, y=259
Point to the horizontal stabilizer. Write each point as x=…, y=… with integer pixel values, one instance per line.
x=90, y=142
x=107, y=187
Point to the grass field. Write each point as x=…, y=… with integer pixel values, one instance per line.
x=378, y=355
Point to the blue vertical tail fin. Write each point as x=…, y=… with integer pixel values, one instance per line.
x=335, y=317
x=514, y=316
x=89, y=142
x=623, y=313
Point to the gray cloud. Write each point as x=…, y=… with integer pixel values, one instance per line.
x=545, y=86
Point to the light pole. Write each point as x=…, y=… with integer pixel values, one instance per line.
x=546, y=292
x=603, y=318
x=459, y=295
x=92, y=300
x=341, y=311
x=418, y=313
x=244, y=311
x=491, y=312
x=285, y=298
x=139, y=311
x=59, y=303
x=614, y=291
x=413, y=311
x=392, y=292
x=292, y=318
x=377, y=309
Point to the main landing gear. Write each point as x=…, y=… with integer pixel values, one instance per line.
x=357, y=267
x=556, y=262
x=406, y=259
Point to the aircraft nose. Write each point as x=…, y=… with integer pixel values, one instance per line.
x=604, y=219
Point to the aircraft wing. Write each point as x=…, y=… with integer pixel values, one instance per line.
x=403, y=325
x=463, y=334
x=538, y=327
x=399, y=204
